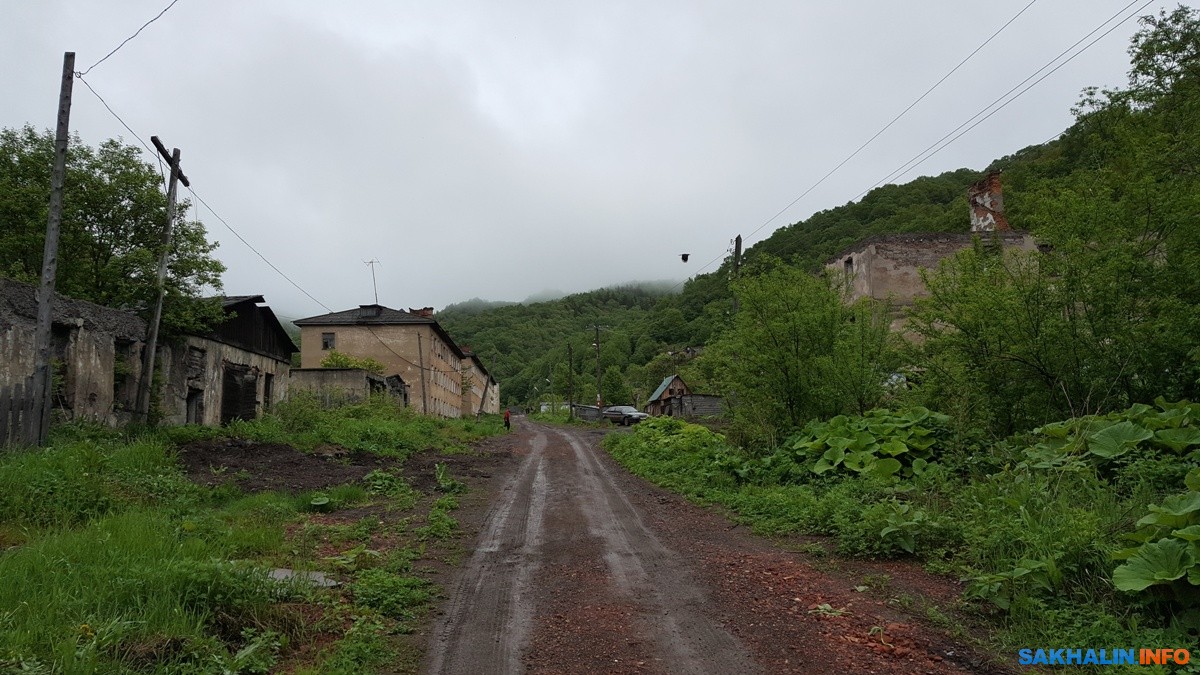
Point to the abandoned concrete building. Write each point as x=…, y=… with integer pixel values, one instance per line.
x=238, y=370
x=334, y=386
x=480, y=393
x=95, y=352
x=411, y=345
x=888, y=267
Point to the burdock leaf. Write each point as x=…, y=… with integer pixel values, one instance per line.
x=1160, y=562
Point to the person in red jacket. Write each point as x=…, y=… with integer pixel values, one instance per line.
x=506, y=420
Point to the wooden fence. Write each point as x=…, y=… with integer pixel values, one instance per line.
x=19, y=419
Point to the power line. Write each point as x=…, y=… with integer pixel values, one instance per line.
x=112, y=112
x=938, y=145
x=877, y=134
x=920, y=157
x=118, y=47
x=224, y=222
x=201, y=199
x=893, y=121
x=256, y=251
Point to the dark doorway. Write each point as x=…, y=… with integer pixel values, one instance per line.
x=195, y=406
x=238, y=393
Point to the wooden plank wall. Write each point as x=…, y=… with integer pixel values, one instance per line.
x=18, y=421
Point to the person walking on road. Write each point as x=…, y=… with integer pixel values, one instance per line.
x=507, y=423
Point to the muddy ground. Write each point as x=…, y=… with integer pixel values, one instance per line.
x=255, y=467
x=569, y=564
x=579, y=567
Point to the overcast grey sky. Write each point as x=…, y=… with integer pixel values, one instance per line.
x=499, y=149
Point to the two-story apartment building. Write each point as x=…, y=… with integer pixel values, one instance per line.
x=480, y=392
x=410, y=344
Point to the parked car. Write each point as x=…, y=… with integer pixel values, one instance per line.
x=624, y=415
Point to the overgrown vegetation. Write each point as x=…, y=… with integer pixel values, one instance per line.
x=1038, y=441
x=1037, y=544
x=113, y=561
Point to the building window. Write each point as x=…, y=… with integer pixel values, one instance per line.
x=268, y=394
x=328, y=341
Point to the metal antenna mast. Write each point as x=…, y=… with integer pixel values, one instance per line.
x=372, y=263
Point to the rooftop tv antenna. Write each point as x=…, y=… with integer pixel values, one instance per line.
x=372, y=263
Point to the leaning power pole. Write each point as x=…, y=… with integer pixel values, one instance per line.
x=148, y=356
x=41, y=382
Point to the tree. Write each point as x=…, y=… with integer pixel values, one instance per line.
x=113, y=216
x=616, y=390
x=796, y=352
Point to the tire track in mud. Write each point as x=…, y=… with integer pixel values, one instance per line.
x=566, y=576
x=489, y=613
x=646, y=571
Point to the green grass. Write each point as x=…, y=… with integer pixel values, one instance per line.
x=376, y=426
x=111, y=560
x=125, y=589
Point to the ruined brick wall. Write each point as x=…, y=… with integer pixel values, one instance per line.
x=96, y=349
x=888, y=267
x=986, y=199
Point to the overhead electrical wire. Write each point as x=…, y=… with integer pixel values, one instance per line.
x=877, y=134
x=951, y=135
x=126, y=40
x=938, y=145
x=255, y=250
x=893, y=120
x=235, y=233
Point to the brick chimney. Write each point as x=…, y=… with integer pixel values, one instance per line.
x=986, y=201
x=424, y=312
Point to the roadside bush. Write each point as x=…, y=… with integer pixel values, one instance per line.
x=1168, y=557
x=776, y=510
x=1112, y=442
x=686, y=458
x=71, y=483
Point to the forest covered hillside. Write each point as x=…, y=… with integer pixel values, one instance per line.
x=524, y=343
x=1126, y=168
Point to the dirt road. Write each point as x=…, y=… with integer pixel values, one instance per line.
x=580, y=567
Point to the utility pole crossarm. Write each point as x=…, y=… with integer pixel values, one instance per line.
x=175, y=170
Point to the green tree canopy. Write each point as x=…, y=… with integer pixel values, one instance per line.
x=114, y=210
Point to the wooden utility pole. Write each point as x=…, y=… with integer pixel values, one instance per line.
x=570, y=383
x=42, y=387
x=145, y=384
x=737, y=264
x=599, y=397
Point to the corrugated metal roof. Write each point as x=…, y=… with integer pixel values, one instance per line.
x=662, y=387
